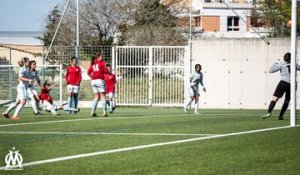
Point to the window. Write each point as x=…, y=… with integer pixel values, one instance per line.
x=233, y=24
x=197, y=21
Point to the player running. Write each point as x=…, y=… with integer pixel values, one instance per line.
x=195, y=79
x=31, y=91
x=110, y=80
x=283, y=86
x=48, y=102
x=22, y=87
x=96, y=71
x=73, y=79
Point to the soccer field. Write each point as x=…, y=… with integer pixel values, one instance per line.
x=152, y=141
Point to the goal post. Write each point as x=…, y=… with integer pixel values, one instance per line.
x=9, y=81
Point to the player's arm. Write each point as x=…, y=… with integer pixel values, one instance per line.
x=67, y=75
x=21, y=77
x=79, y=76
x=89, y=72
x=201, y=82
x=275, y=67
x=115, y=79
x=191, y=79
x=38, y=80
x=52, y=86
x=105, y=70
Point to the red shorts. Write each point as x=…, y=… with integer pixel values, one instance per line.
x=46, y=97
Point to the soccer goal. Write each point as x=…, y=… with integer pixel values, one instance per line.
x=9, y=81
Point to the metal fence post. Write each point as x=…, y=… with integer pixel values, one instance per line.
x=150, y=75
x=113, y=62
x=10, y=74
x=187, y=70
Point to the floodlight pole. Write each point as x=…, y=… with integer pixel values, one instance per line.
x=293, y=63
x=77, y=34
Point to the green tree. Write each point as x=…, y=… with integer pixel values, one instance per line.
x=51, y=25
x=276, y=13
x=154, y=24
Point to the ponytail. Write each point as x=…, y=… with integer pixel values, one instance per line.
x=23, y=61
x=93, y=60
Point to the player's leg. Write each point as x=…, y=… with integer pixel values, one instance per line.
x=70, y=89
x=271, y=107
x=32, y=101
x=22, y=96
x=95, y=104
x=12, y=106
x=37, y=100
x=67, y=108
x=102, y=90
x=95, y=88
x=280, y=89
x=111, y=105
x=196, y=104
x=190, y=100
x=75, y=95
x=284, y=108
x=50, y=107
x=103, y=103
x=113, y=101
x=286, y=101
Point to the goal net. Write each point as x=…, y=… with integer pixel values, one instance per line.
x=9, y=81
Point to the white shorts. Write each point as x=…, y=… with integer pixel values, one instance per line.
x=47, y=106
x=98, y=86
x=194, y=92
x=31, y=92
x=22, y=93
x=73, y=89
x=110, y=95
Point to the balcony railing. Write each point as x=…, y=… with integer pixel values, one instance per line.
x=229, y=1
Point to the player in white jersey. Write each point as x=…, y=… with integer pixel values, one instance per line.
x=31, y=91
x=195, y=79
x=283, y=86
x=22, y=87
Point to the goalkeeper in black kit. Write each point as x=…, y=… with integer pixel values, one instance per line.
x=283, y=86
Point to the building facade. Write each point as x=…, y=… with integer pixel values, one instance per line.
x=218, y=18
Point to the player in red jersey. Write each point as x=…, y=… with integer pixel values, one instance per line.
x=48, y=102
x=96, y=71
x=73, y=79
x=110, y=80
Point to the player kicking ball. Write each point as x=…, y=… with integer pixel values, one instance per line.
x=48, y=102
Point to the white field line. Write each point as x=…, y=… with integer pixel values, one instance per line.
x=137, y=117
x=75, y=120
x=102, y=133
x=145, y=146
